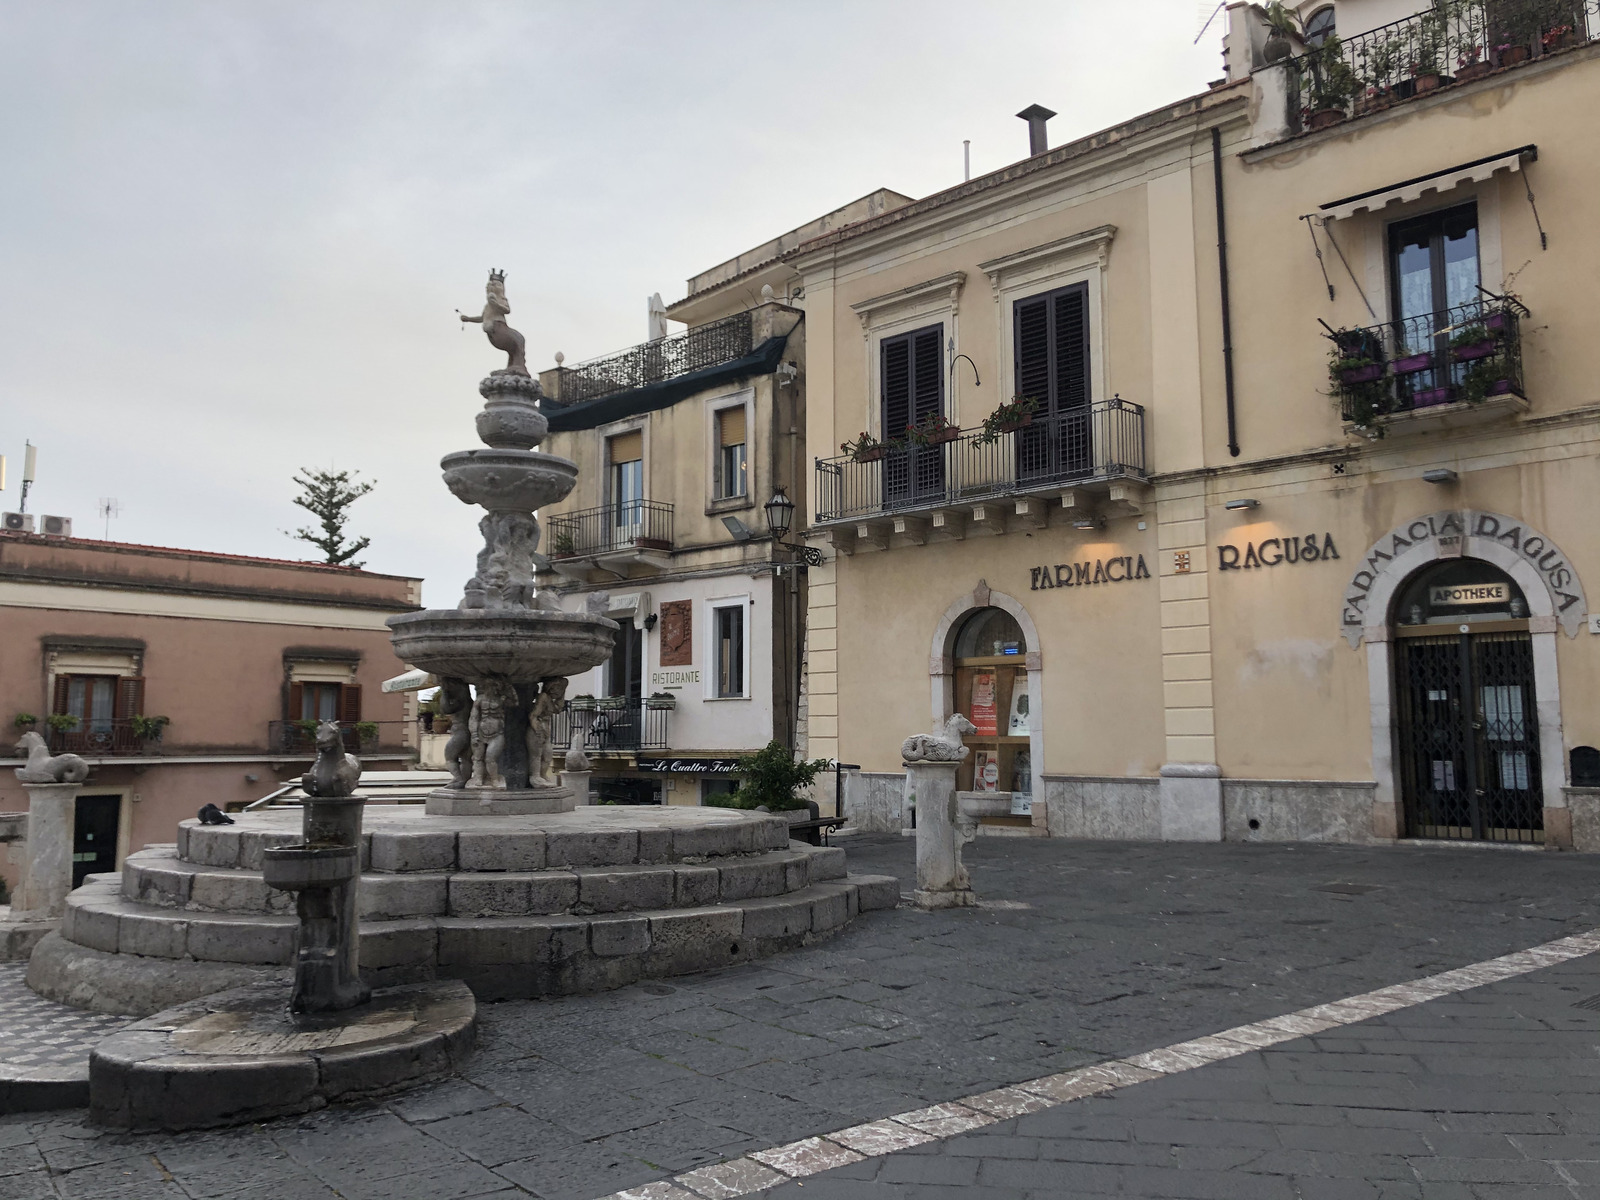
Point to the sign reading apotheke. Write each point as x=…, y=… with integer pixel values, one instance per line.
x=1468, y=593
x=1085, y=574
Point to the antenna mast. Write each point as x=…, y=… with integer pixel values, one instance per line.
x=110, y=507
x=30, y=461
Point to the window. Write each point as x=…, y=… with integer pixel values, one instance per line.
x=727, y=623
x=1319, y=26
x=1433, y=268
x=1052, y=368
x=103, y=705
x=625, y=676
x=320, y=700
x=912, y=384
x=731, y=441
x=991, y=691
x=626, y=452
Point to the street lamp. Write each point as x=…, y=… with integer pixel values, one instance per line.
x=780, y=519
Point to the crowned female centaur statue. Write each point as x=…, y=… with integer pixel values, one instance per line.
x=501, y=336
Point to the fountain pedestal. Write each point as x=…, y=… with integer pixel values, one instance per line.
x=500, y=802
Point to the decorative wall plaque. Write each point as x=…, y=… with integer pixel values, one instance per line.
x=677, y=633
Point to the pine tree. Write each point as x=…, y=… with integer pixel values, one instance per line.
x=328, y=496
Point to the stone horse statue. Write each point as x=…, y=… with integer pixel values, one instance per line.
x=43, y=767
x=501, y=336
x=942, y=745
x=335, y=773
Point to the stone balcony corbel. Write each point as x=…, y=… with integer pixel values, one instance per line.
x=909, y=531
x=947, y=525
x=1125, y=499
x=871, y=535
x=988, y=520
x=1033, y=512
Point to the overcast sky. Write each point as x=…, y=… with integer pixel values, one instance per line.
x=233, y=236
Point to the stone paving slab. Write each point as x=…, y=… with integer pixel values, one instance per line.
x=44, y=1047
x=1097, y=951
x=1487, y=1094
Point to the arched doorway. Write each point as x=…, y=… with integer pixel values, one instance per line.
x=1466, y=716
x=991, y=691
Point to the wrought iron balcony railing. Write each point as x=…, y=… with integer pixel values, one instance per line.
x=300, y=737
x=1468, y=353
x=626, y=525
x=1098, y=442
x=696, y=349
x=1441, y=45
x=102, y=737
x=611, y=725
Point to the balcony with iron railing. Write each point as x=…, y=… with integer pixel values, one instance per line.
x=103, y=738
x=701, y=348
x=1451, y=42
x=1457, y=366
x=626, y=534
x=1089, y=448
x=299, y=738
x=612, y=725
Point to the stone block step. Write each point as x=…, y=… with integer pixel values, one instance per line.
x=397, y=840
x=158, y=878
x=114, y=947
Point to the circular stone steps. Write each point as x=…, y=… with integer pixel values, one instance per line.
x=515, y=907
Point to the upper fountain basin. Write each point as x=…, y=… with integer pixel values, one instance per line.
x=517, y=644
x=508, y=480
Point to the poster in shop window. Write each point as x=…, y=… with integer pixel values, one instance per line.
x=985, y=771
x=983, y=714
x=1017, y=726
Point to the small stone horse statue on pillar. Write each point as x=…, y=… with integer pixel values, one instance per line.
x=43, y=767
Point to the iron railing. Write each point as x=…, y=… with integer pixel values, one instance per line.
x=300, y=737
x=1467, y=353
x=98, y=737
x=1452, y=42
x=612, y=725
x=625, y=525
x=1101, y=441
x=696, y=349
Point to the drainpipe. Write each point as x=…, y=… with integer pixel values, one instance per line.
x=1222, y=270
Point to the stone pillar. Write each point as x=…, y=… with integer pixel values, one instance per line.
x=47, y=878
x=578, y=783
x=1191, y=802
x=941, y=883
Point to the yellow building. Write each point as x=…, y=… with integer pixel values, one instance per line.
x=1233, y=469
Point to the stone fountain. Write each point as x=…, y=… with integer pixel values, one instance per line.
x=510, y=643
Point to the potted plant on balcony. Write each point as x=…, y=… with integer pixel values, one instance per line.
x=367, y=734
x=1427, y=62
x=1558, y=37
x=24, y=722
x=1283, y=31
x=933, y=430
x=864, y=448
x=611, y=703
x=149, y=730
x=1356, y=371
x=1432, y=397
x=582, y=704
x=562, y=544
x=1008, y=418
x=61, y=723
x=1333, y=84
x=1487, y=377
x=1470, y=64
x=662, y=700
x=1473, y=341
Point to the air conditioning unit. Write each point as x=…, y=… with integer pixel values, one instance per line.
x=17, y=522
x=56, y=526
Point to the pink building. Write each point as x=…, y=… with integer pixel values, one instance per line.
x=100, y=640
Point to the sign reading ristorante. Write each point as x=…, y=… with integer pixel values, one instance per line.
x=1086, y=574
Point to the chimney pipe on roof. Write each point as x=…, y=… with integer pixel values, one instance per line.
x=1036, y=115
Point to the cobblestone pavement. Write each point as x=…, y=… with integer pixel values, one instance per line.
x=1096, y=951
x=1491, y=1094
x=40, y=1035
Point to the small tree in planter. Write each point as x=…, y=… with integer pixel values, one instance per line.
x=769, y=779
x=1333, y=84
x=1008, y=418
x=563, y=545
x=150, y=729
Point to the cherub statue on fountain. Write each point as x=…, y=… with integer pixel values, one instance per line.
x=489, y=735
x=541, y=728
x=496, y=309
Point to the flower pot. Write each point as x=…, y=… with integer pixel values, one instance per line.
x=1473, y=71
x=1481, y=349
x=942, y=436
x=1430, y=397
x=1324, y=118
x=1514, y=54
x=1366, y=374
x=1499, y=387
x=872, y=455
x=1430, y=82
x=1495, y=322
x=1413, y=362
x=1013, y=426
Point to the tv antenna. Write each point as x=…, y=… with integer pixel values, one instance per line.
x=30, y=464
x=110, y=507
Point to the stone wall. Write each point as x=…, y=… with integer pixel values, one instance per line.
x=875, y=802
x=1103, y=808
x=1297, y=810
x=1584, y=804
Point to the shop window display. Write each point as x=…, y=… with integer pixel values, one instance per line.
x=991, y=691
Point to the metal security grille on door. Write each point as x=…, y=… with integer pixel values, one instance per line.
x=1468, y=737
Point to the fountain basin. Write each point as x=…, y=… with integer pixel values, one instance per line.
x=508, y=480
x=519, y=645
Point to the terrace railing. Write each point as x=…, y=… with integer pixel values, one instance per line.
x=300, y=737
x=612, y=725
x=696, y=349
x=1451, y=42
x=96, y=737
x=1102, y=441
x=1467, y=353
x=625, y=525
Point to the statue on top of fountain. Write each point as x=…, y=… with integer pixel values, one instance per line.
x=496, y=308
